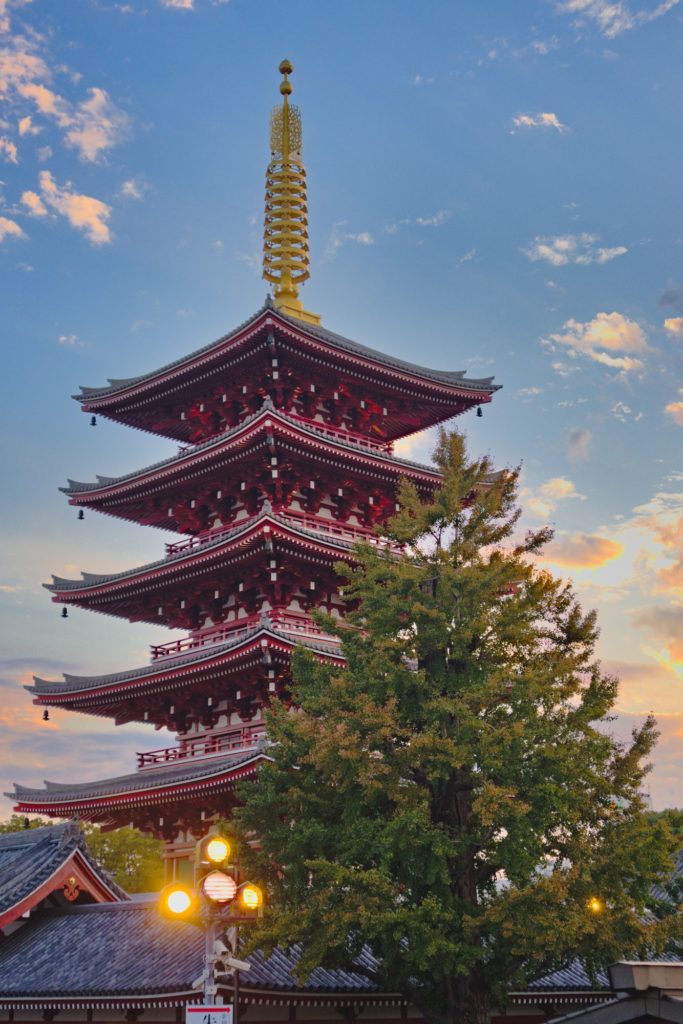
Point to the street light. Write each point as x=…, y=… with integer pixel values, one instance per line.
x=218, y=898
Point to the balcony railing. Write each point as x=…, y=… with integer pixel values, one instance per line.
x=339, y=434
x=235, y=741
x=325, y=526
x=287, y=622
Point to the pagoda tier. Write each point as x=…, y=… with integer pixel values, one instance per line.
x=265, y=562
x=304, y=368
x=272, y=456
x=206, y=681
x=182, y=795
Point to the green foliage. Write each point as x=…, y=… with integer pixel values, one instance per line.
x=453, y=797
x=132, y=859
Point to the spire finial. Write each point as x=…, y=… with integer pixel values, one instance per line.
x=285, y=238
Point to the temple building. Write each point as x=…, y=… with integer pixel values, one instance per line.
x=283, y=460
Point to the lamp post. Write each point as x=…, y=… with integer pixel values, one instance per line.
x=220, y=900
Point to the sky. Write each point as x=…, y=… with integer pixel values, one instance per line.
x=493, y=187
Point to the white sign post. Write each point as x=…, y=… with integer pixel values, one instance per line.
x=209, y=1014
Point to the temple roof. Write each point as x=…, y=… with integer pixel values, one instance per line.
x=129, y=951
x=72, y=684
x=90, y=579
x=453, y=378
x=188, y=454
x=33, y=857
x=187, y=774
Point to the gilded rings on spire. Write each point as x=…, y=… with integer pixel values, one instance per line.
x=285, y=67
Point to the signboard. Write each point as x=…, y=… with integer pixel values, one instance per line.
x=209, y=1014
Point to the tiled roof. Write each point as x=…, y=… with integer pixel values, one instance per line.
x=455, y=378
x=186, y=771
x=92, y=579
x=30, y=857
x=77, y=486
x=129, y=949
x=71, y=683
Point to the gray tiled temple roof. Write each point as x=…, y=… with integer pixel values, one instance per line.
x=177, y=773
x=93, y=579
x=48, y=687
x=29, y=857
x=454, y=378
x=188, y=452
x=129, y=949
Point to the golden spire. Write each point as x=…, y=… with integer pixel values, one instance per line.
x=285, y=236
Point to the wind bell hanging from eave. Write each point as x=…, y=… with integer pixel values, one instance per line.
x=285, y=236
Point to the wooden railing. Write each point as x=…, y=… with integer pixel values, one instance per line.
x=233, y=742
x=288, y=622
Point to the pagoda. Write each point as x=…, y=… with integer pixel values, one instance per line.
x=283, y=461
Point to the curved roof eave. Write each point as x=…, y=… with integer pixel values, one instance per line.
x=450, y=378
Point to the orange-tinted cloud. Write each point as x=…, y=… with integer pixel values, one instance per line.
x=674, y=325
x=609, y=338
x=665, y=625
x=582, y=551
x=34, y=204
x=83, y=212
x=9, y=229
x=674, y=410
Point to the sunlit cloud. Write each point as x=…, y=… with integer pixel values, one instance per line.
x=27, y=127
x=96, y=125
x=582, y=551
x=581, y=250
x=431, y=220
x=674, y=325
x=540, y=120
x=610, y=339
x=9, y=229
x=85, y=213
x=34, y=204
x=543, y=501
x=178, y=5
x=578, y=443
x=665, y=626
x=612, y=17
x=674, y=410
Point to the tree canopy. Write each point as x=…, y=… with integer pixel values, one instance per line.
x=453, y=798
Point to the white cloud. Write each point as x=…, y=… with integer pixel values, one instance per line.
x=674, y=410
x=69, y=340
x=674, y=325
x=85, y=213
x=540, y=120
x=435, y=220
x=598, y=339
x=422, y=80
x=613, y=17
x=9, y=229
x=179, y=5
x=8, y=150
x=338, y=238
x=133, y=188
x=559, y=250
x=528, y=392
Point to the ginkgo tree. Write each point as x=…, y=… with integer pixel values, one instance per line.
x=452, y=803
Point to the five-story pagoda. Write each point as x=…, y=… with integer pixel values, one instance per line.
x=286, y=460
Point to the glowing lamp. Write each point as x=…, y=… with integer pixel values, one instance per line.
x=251, y=897
x=595, y=905
x=219, y=887
x=176, y=900
x=217, y=849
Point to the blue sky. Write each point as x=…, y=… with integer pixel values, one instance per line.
x=492, y=187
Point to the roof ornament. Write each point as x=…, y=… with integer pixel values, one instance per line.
x=285, y=235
